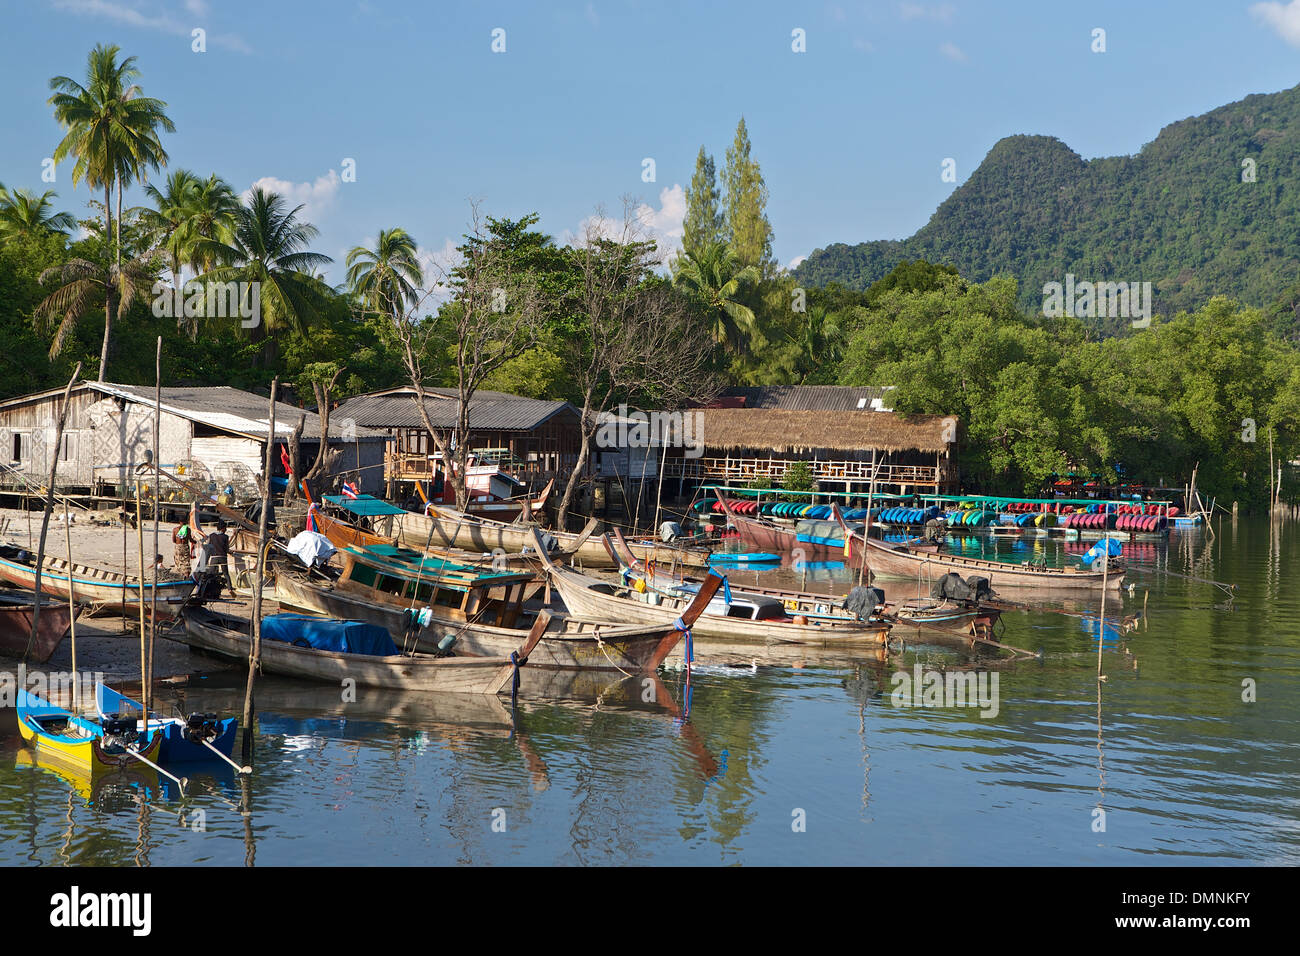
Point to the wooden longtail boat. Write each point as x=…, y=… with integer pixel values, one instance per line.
x=767, y=535
x=16, y=625
x=97, y=587
x=91, y=747
x=910, y=561
x=180, y=735
x=483, y=613
x=342, y=534
x=230, y=637
x=965, y=617
x=736, y=616
x=448, y=528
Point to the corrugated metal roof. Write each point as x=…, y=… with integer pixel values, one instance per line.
x=489, y=411
x=813, y=398
x=239, y=412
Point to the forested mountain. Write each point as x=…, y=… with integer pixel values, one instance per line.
x=1208, y=208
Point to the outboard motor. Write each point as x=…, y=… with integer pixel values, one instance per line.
x=951, y=587
x=119, y=732
x=201, y=728
x=862, y=601
x=209, y=585
x=981, y=588
x=669, y=532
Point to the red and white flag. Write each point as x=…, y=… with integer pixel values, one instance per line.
x=349, y=490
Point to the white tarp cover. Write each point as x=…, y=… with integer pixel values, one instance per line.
x=310, y=547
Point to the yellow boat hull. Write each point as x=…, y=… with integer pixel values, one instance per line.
x=87, y=756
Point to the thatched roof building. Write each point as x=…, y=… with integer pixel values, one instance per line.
x=796, y=432
x=845, y=449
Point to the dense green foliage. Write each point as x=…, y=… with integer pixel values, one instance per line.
x=1036, y=399
x=1177, y=214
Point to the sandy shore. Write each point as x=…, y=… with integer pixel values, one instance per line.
x=106, y=643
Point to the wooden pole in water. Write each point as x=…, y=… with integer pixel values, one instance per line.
x=139, y=593
x=255, y=638
x=866, y=527
x=49, y=508
x=1101, y=633
x=153, y=595
x=72, y=607
x=124, y=569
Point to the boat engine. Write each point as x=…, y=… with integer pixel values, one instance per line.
x=201, y=728
x=119, y=732
x=951, y=587
x=862, y=602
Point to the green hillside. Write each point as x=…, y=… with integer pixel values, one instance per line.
x=1177, y=214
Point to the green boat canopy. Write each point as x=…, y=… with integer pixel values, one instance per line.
x=366, y=506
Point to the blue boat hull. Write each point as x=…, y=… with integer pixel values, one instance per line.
x=176, y=749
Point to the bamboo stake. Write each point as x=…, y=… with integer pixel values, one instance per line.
x=124, y=569
x=866, y=527
x=72, y=607
x=49, y=508
x=1101, y=633
x=153, y=597
x=255, y=642
x=139, y=534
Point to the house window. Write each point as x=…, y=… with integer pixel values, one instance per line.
x=22, y=448
x=68, y=451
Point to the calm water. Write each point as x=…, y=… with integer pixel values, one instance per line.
x=1184, y=769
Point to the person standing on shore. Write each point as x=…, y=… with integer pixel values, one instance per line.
x=182, y=552
x=217, y=545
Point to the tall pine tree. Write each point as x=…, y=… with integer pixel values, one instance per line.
x=748, y=231
x=704, y=223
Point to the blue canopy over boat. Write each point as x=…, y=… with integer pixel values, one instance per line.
x=323, y=634
x=365, y=506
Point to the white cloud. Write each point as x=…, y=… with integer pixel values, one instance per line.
x=866, y=46
x=794, y=263
x=952, y=51
x=939, y=13
x=592, y=16
x=316, y=197
x=154, y=15
x=1282, y=18
x=663, y=225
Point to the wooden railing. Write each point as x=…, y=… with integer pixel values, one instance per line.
x=732, y=470
x=401, y=466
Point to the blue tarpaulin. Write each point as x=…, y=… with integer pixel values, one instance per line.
x=341, y=637
x=1107, y=546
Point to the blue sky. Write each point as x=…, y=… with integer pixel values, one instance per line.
x=850, y=134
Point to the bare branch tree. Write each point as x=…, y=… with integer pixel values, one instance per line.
x=635, y=337
x=494, y=316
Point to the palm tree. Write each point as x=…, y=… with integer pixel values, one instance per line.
x=82, y=284
x=185, y=211
x=112, y=131
x=214, y=216
x=817, y=343
x=25, y=214
x=388, y=277
x=713, y=276
x=268, y=247
x=168, y=221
